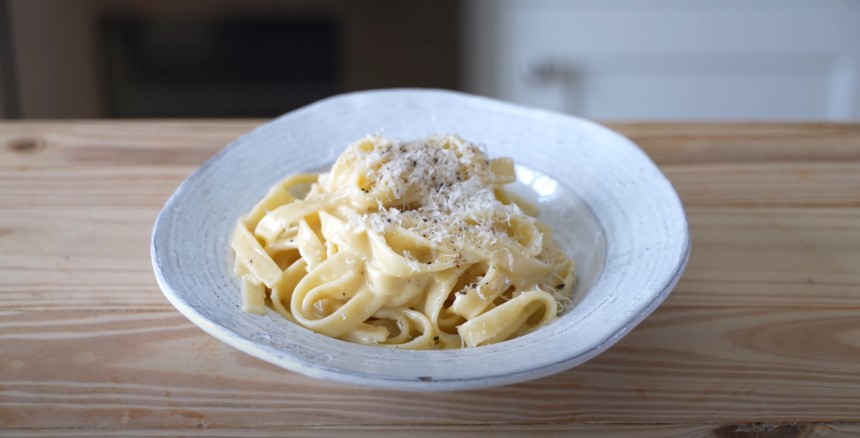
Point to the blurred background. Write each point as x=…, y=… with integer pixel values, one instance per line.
x=610, y=60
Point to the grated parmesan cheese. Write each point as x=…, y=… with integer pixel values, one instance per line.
x=441, y=188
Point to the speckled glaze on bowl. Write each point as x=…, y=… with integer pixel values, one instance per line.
x=611, y=209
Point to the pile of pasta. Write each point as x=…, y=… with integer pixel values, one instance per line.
x=404, y=244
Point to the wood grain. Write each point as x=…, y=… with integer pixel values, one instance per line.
x=597, y=430
x=153, y=369
x=98, y=258
x=722, y=143
x=772, y=256
x=760, y=338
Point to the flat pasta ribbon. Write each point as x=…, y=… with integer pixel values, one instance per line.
x=411, y=245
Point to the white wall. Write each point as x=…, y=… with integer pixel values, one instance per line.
x=669, y=59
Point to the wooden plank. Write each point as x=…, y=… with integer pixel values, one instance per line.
x=154, y=369
x=597, y=430
x=161, y=143
x=756, y=164
x=88, y=187
x=744, y=143
x=722, y=165
x=190, y=142
x=772, y=257
x=774, y=184
x=78, y=258
x=762, y=327
x=98, y=258
x=83, y=176
x=828, y=185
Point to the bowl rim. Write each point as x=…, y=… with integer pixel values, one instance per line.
x=300, y=364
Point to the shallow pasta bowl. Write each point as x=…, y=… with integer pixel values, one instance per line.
x=611, y=210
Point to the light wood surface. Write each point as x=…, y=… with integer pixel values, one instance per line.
x=760, y=338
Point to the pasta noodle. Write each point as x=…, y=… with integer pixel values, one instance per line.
x=411, y=245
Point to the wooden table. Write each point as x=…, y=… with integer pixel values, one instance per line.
x=760, y=338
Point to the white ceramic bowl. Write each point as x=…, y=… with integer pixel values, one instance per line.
x=611, y=209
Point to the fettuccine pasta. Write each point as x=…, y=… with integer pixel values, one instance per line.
x=411, y=245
